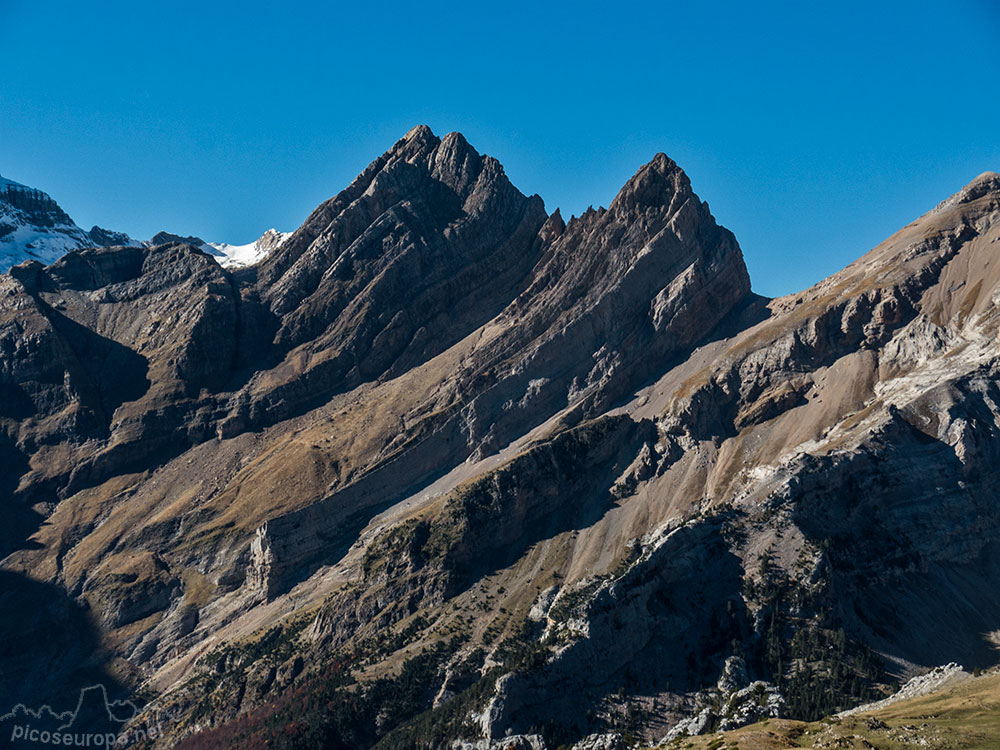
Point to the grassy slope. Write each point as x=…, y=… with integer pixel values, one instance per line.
x=965, y=716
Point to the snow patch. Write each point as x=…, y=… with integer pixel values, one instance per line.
x=239, y=256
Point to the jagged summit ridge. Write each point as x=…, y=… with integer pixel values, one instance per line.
x=420, y=172
x=430, y=244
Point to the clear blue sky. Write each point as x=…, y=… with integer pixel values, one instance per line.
x=812, y=129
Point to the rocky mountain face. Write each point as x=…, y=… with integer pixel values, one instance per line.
x=443, y=467
x=34, y=227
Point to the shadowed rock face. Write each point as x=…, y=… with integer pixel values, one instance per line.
x=578, y=463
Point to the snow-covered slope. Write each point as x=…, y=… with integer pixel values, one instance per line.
x=34, y=227
x=230, y=256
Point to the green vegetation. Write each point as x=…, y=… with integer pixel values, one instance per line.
x=818, y=670
x=405, y=542
x=449, y=720
x=331, y=709
x=828, y=673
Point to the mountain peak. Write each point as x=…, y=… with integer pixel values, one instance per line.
x=987, y=182
x=656, y=185
x=419, y=133
x=984, y=184
x=418, y=142
x=164, y=238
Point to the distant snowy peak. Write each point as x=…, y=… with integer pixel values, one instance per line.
x=237, y=256
x=34, y=227
x=230, y=256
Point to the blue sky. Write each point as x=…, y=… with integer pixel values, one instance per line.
x=813, y=129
